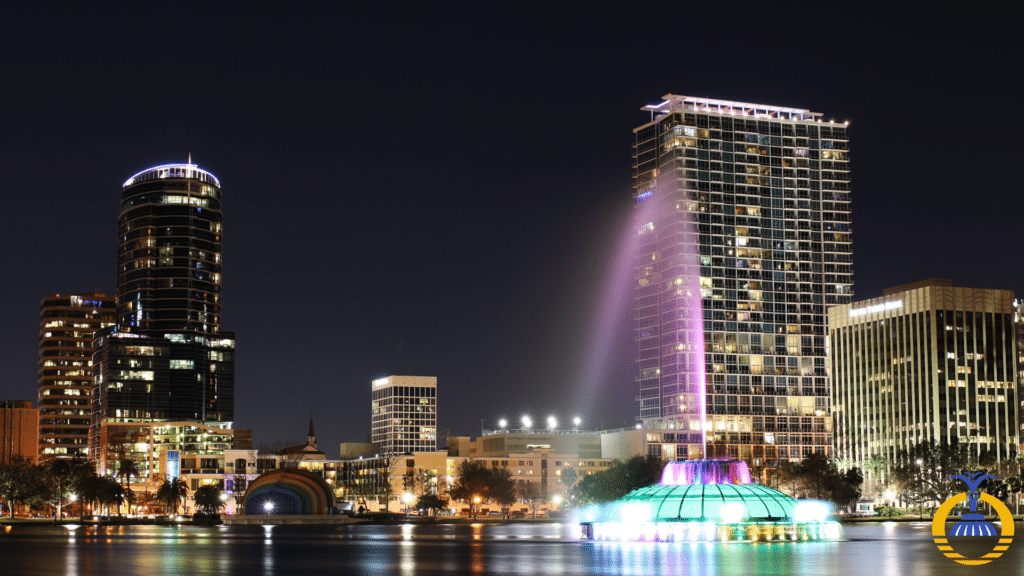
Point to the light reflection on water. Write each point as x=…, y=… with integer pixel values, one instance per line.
x=882, y=548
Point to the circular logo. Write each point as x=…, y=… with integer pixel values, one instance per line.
x=1005, y=535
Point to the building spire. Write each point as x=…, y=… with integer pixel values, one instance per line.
x=311, y=437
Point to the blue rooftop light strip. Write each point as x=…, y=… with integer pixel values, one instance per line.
x=184, y=170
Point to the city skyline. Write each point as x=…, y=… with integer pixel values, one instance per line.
x=455, y=184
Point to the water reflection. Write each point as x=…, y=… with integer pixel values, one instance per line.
x=27, y=550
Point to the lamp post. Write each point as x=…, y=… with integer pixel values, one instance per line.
x=268, y=507
x=920, y=491
x=476, y=506
x=407, y=498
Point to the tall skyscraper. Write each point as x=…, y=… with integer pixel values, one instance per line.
x=67, y=325
x=404, y=414
x=169, y=251
x=747, y=205
x=925, y=362
x=167, y=358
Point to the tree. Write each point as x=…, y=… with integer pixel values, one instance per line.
x=171, y=493
x=63, y=477
x=19, y=482
x=208, y=498
x=472, y=484
x=478, y=483
x=502, y=489
x=569, y=478
x=621, y=479
x=126, y=468
x=530, y=493
x=921, y=474
x=430, y=502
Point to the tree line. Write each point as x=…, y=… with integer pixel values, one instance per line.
x=54, y=486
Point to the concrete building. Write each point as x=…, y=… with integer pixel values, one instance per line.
x=744, y=210
x=498, y=443
x=67, y=325
x=925, y=362
x=404, y=414
x=19, y=430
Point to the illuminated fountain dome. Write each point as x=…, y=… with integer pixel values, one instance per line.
x=708, y=500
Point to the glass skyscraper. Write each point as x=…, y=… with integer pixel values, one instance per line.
x=747, y=206
x=167, y=358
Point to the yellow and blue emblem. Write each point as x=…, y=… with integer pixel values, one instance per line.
x=972, y=524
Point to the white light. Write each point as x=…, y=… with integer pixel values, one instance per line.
x=638, y=426
x=502, y=423
x=635, y=513
x=577, y=421
x=811, y=511
x=552, y=423
x=876, y=308
x=732, y=512
x=527, y=422
x=268, y=507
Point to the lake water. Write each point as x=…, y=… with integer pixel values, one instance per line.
x=889, y=549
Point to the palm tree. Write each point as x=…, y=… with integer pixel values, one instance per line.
x=172, y=492
x=209, y=498
x=126, y=468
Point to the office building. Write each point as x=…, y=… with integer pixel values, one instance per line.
x=404, y=414
x=67, y=325
x=743, y=209
x=166, y=359
x=19, y=430
x=925, y=362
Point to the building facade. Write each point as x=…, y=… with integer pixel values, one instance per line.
x=67, y=325
x=169, y=251
x=404, y=414
x=743, y=214
x=925, y=362
x=19, y=430
x=166, y=359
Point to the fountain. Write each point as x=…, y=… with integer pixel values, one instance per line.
x=708, y=500
x=696, y=500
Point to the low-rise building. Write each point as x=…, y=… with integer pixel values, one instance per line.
x=19, y=430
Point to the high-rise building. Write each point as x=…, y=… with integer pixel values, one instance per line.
x=19, y=430
x=744, y=209
x=67, y=325
x=925, y=362
x=167, y=358
x=169, y=251
x=404, y=417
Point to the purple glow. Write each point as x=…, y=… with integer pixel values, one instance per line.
x=706, y=472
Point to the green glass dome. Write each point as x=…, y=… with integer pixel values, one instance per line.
x=704, y=502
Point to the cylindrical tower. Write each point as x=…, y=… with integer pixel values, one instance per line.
x=169, y=251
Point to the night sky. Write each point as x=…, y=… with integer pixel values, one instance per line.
x=457, y=180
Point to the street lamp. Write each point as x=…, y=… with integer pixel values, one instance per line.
x=527, y=422
x=576, y=423
x=920, y=491
x=476, y=506
x=552, y=423
x=502, y=423
x=268, y=507
x=407, y=498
